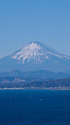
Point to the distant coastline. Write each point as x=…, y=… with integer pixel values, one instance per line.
x=50, y=88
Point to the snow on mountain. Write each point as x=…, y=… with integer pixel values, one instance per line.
x=30, y=51
x=36, y=51
x=35, y=56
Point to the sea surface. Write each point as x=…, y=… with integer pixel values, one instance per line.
x=34, y=107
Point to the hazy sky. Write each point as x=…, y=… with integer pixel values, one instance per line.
x=22, y=21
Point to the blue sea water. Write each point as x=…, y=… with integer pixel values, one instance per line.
x=34, y=107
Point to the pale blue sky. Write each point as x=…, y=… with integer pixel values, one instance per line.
x=22, y=21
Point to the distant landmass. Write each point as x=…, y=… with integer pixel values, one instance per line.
x=34, y=79
x=35, y=65
x=20, y=82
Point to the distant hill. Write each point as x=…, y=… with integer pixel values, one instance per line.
x=36, y=75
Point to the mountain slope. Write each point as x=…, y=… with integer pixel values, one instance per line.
x=35, y=56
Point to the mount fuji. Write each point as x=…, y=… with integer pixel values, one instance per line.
x=35, y=56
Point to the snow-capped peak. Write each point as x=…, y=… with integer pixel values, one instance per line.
x=30, y=51
x=36, y=52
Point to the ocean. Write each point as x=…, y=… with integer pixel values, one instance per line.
x=35, y=107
